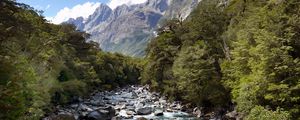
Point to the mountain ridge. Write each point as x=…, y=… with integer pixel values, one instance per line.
x=128, y=29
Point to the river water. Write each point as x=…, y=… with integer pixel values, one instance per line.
x=133, y=102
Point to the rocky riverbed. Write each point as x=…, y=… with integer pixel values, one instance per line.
x=134, y=102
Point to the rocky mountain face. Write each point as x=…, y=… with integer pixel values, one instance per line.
x=128, y=29
x=78, y=22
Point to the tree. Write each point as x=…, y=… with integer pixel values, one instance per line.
x=198, y=78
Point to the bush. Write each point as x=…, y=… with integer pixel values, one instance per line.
x=260, y=113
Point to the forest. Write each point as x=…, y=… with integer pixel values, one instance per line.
x=241, y=53
x=42, y=64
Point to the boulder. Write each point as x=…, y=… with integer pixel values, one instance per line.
x=159, y=113
x=96, y=115
x=144, y=111
x=134, y=95
x=83, y=113
x=112, y=102
x=143, y=95
x=130, y=103
x=102, y=114
x=106, y=98
x=116, y=118
x=162, y=101
x=127, y=95
x=130, y=112
x=169, y=110
x=84, y=107
x=120, y=107
x=74, y=106
x=178, y=107
x=139, y=105
x=198, y=112
x=97, y=103
x=124, y=114
x=186, y=108
x=131, y=108
x=156, y=103
x=232, y=115
x=112, y=111
x=141, y=118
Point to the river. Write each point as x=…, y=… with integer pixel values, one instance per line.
x=133, y=102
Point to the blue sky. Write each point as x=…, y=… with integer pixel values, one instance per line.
x=52, y=7
x=57, y=11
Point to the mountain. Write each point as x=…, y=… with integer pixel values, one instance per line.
x=128, y=29
x=78, y=22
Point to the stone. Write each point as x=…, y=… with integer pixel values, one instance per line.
x=143, y=95
x=112, y=102
x=80, y=99
x=84, y=113
x=134, y=95
x=232, y=115
x=84, y=107
x=141, y=118
x=154, y=98
x=185, y=108
x=178, y=107
x=96, y=103
x=173, y=105
x=169, y=110
x=130, y=112
x=197, y=112
x=74, y=106
x=139, y=105
x=116, y=118
x=100, y=114
x=127, y=95
x=162, y=101
x=159, y=113
x=129, y=103
x=120, y=107
x=144, y=111
x=112, y=111
x=131, y=108
x=95, y=115
x=123, y=114
x=106, y=98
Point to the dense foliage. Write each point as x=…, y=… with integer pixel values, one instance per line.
x=42, y=64
x=185, y=57
x=243, y=51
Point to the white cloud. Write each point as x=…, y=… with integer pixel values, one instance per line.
x=79, y=10
x=48, y=6
x=38, y=7
x=114, y=3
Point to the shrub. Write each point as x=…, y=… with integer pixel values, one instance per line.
x=260, y=113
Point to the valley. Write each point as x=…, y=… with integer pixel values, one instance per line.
x=161, y=59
